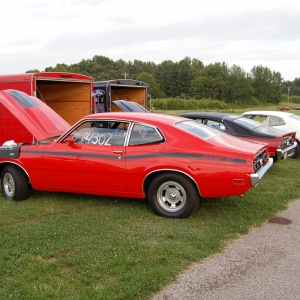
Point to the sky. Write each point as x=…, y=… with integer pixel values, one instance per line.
x=36, y=34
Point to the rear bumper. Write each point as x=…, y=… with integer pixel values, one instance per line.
x=255, y=178
x=283, y=153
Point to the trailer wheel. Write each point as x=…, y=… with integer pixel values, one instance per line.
x=14, y=183
x=173, y=195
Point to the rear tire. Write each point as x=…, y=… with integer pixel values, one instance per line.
x=173, y=195
x=14, y=183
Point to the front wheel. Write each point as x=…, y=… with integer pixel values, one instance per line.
x=173, y=195
x=14, y=183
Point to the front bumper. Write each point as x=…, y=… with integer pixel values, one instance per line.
x=255, y=178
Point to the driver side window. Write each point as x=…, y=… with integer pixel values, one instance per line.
x=100, y=133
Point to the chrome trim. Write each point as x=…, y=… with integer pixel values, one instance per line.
x=173, y=170
x=14, y=163
x=280, y=152
x=255, y=178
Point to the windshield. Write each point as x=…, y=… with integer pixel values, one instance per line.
x=198, y=129
x=257, y=126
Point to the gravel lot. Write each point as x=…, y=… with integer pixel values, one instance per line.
x=264, y=264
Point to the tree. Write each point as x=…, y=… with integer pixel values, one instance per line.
x=211, y=82
x=165, y=76
x=267, y=85
x=242, y=91
x=33, y=71
x=239, y=87
x=154, y=88
x=198, y=85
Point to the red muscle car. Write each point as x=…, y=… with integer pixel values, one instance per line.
x=169, y=160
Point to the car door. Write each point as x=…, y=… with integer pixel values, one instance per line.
x=144, y=152
x=93, y=162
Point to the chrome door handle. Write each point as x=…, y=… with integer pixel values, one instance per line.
x=120, y=152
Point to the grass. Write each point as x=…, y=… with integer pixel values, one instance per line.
x=239, y=110
x=65, y=246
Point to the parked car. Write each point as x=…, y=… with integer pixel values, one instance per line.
x=297, y=108
x=284, y=108
x=125, y=105
x=281, y=120
x=281, y=144
x=169, y=160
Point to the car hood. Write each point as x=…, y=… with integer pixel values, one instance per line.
x=37, y=117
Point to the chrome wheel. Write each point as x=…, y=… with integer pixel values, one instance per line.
x=9, y=185
x=171, y=196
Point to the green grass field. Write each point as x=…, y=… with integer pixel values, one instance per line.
x=240, y=110
x=65, y=246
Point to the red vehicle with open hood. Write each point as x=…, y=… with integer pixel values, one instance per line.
x=169, y=160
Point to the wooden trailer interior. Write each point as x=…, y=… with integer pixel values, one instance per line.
x=71, y=100
x=136, y=94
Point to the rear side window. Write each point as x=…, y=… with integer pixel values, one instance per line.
x=198, y=129
x=275, y=121
x=143, y=134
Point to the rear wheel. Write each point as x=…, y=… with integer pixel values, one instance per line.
x=173, y=195
x=14, y=183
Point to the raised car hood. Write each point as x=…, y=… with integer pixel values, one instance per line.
x=37, y=117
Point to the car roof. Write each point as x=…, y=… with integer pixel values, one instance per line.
x=216, y=116
x=138, y=117
x=269, y=112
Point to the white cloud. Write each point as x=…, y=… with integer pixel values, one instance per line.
x=38, y=34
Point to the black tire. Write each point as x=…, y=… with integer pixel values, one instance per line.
x=14, y=183
x=173, y=195
x=296, y=152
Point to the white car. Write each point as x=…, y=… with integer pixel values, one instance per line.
x=278, y=119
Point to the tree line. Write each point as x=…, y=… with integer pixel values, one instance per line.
x=191, y=79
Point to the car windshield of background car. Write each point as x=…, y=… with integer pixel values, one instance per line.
x=198, y=129
x=258, y=118
x=258, y=127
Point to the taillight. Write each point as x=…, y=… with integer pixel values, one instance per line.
x=260, y=160
x=287, y=141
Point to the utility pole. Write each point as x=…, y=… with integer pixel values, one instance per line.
x=289, y=88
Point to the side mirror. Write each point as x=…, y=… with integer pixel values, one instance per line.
x=70, y=141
